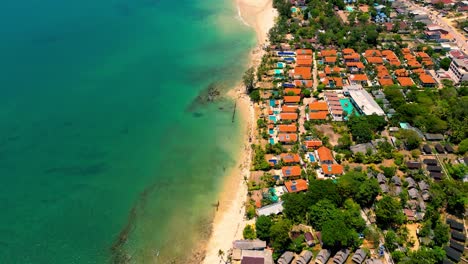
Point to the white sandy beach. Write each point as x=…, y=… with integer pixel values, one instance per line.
x=229, y=220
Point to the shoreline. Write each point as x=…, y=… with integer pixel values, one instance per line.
x=229, y=220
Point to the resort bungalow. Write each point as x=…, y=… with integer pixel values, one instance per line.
x=299, y=185
x=426, y=80
x=302, y=73
x=322, y=256
x=292, y=100
x=289, y=109
x=267, y=210
x=353, y=57
x=313, y=144
x=318, y=111
x=286, y=258
x=405, y=81
x=358, y=79
x=341, y=256
x=304, y=61
x=289, y=116
x=291, y=172
x=359, y=256
x=287, y=138
x=355, y=67
x=287, y=128
x=290, y=157
x=325, y=155
x=304, y=257
x=332, y=170
x=292, y=91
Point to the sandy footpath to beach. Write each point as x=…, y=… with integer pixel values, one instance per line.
x=229, y=220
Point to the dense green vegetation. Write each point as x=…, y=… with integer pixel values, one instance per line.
x=434, y=111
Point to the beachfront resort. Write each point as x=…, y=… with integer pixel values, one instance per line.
x=353, y=160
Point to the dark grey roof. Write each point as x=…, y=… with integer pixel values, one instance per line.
x=449, y=148
x=359, y=256
x=426, y=195
x=434, y=137
x=249, y=244
x=304, y=257
x=427, y=149
x=411, y=182
x=381, y=178
x=434, y=168
x=286, y=258
x=373, y=261
x=413, y=193
x=453, y=254
x=436, y=175
x=457, y=246
x=447, y=261
x=396, y=180
x=252, y=260
x=384, y=187
x=430, y=161
x=397, y=190
x=458, y=236
x=341, y=256
x=413, y=165
x=322, y=256
x=454, y=224
x=423, y=185
x=439, y=148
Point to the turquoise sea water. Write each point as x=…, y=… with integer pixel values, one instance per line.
x=105, y=153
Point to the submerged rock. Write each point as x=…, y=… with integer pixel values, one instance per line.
x=208, y=95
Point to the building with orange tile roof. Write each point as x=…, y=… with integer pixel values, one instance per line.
x=327, y=53
x=372, y=53
x=304, y=57
x=288, y=116
x=325, y=155
x=348, y=51
x=287, y=138
x=355, y=67
x=304, y=62
x=304, y=83
x=303, y=52
x=295, y=186
x=287, y=128
x=405, y=81
x=426, y=80
x=332, y=82
x=353, y=57
x=291, y=171
x=291, y=99
x=295, y=91
x=332, y=169
x=290, y=157
x=413, y=64
x=401, y=73
x=313, y=144
x=321, y=115
x=329, y=70
x=418, y=71
x=289, y=109
x=405, y=50
x=374, y=60
x=330, y=60
x=385, y=81
x=318, y=106
x=302, y=73
x=358, y=78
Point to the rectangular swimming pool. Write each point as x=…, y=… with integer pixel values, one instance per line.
x=272, y=118
x=348, y=106
x=311, y=157
x=272, y=141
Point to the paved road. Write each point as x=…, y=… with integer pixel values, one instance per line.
x=460, y=39
x=314, y=73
